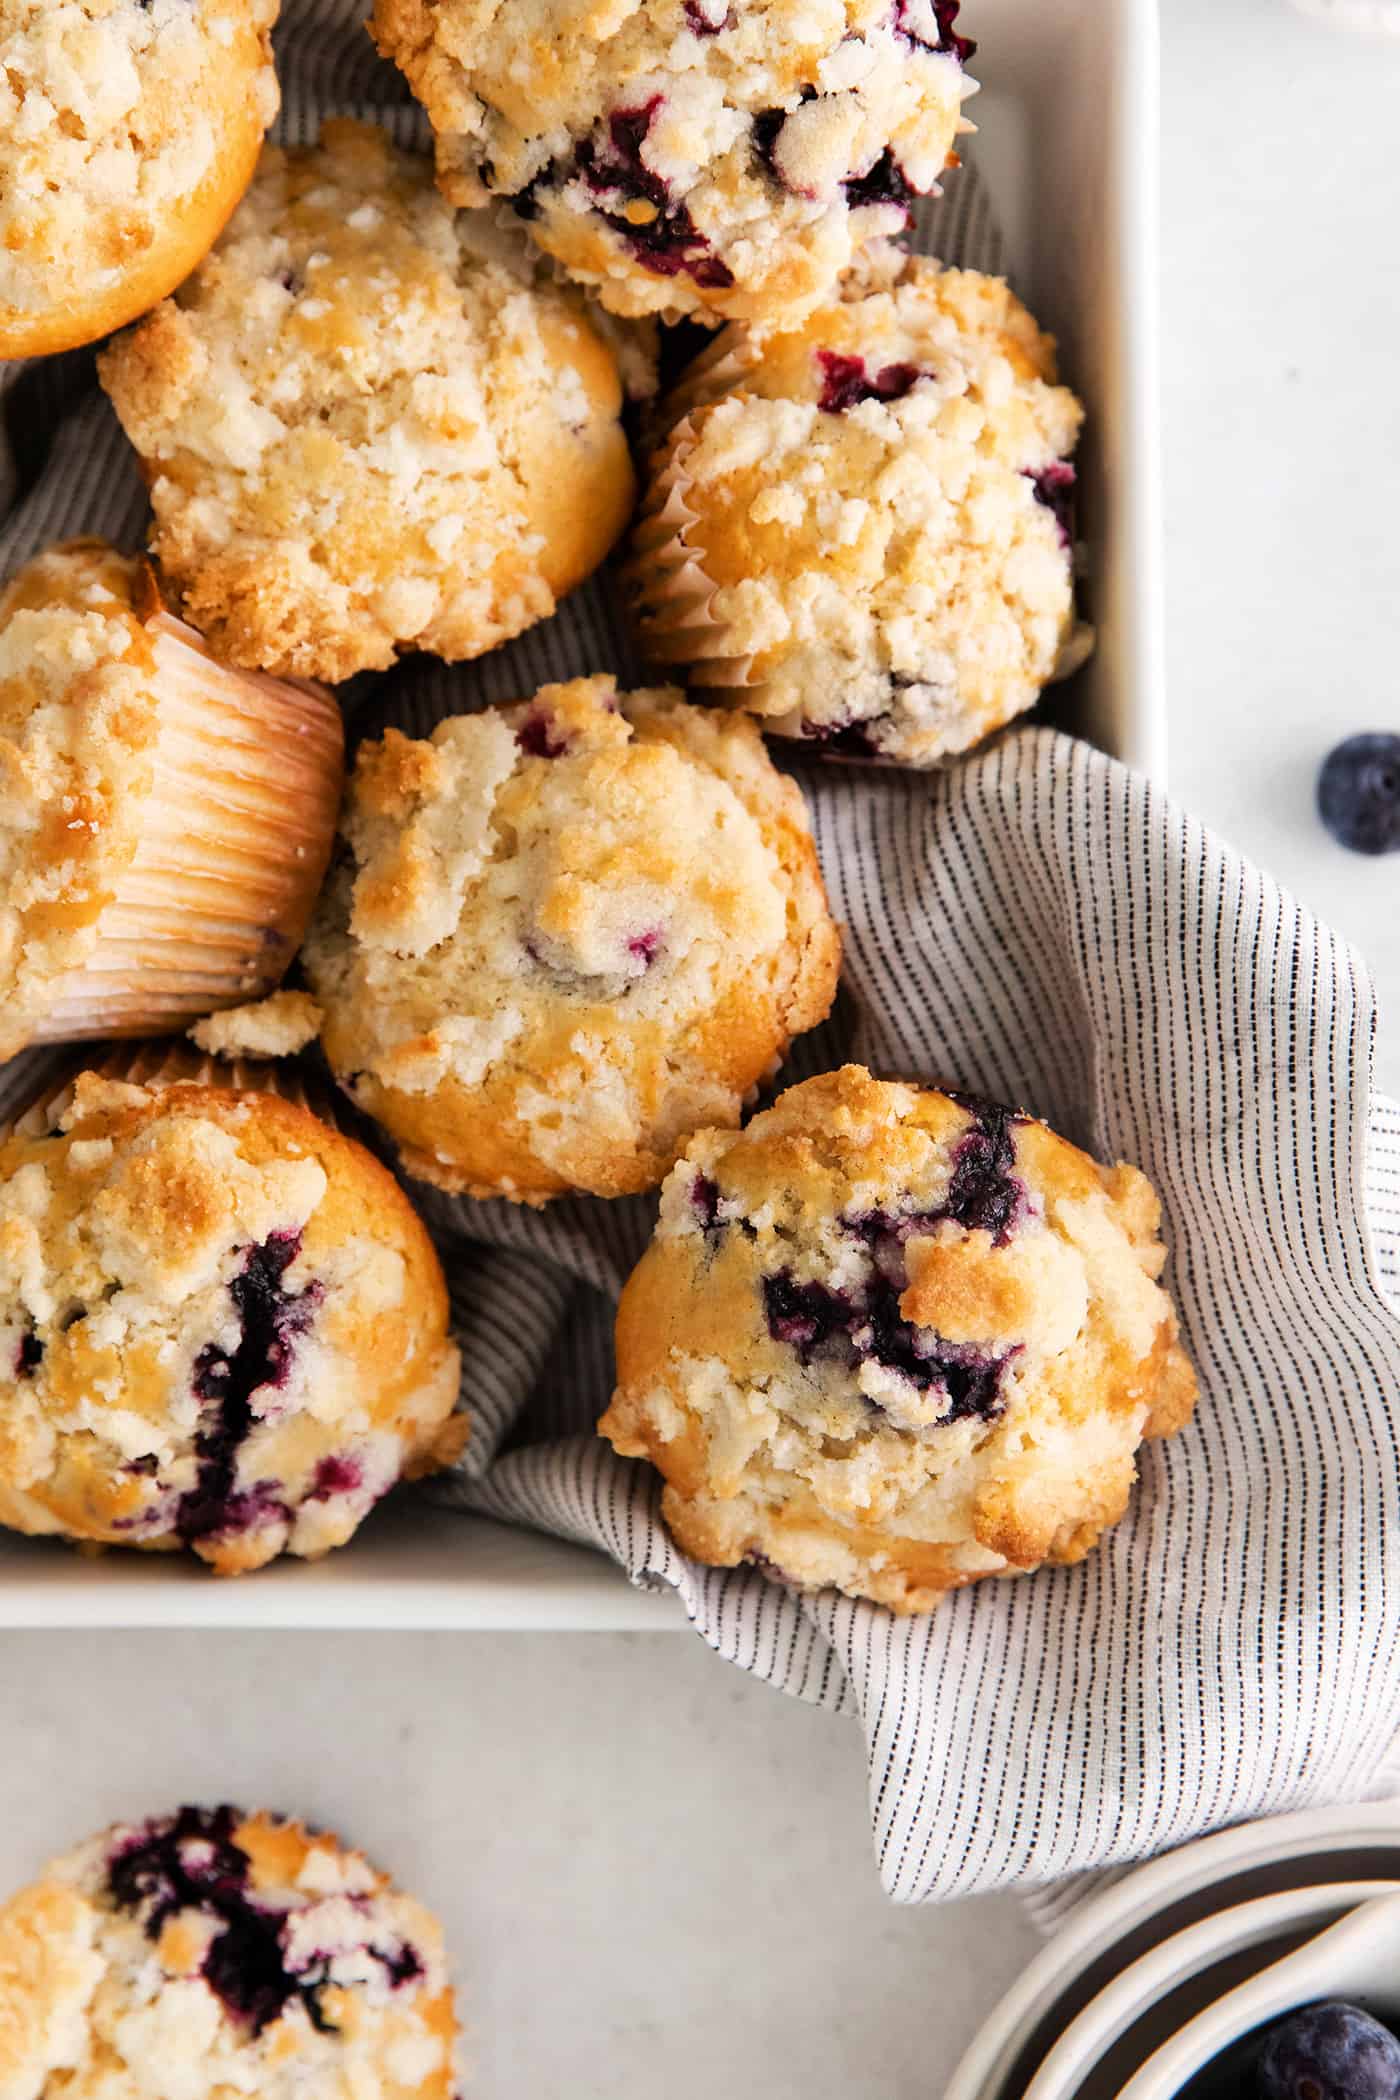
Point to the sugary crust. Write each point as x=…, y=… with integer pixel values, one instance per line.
x=221, y=1325
x=847, y=531
x=369, y=423
x=543, y=972
x=278, y=1026
x=285, y=1965
x=891, y=1341
x=131, y=128
x=689, y=156
x=145, y=790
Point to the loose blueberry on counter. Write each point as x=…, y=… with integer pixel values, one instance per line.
x=1329, y=2052
x=1358, y=793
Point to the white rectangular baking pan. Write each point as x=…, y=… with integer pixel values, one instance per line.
x=1067, y=143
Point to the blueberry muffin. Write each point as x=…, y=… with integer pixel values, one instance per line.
x=860, y=527
x=567, y=934
x=165, y=821
x=129, y=129
x=892, y=1340
x=368, y=422
x=210, y=1953
x=221, y=1325
x=708, y=157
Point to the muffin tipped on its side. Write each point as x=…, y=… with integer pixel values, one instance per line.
x=691, y=156
x=165, y=821
x=860, y=528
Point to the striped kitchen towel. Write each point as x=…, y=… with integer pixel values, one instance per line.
x=1042, y=926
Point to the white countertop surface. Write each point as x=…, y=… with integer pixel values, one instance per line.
x=655, y=1872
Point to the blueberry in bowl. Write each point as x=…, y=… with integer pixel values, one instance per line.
x=1332, y=2050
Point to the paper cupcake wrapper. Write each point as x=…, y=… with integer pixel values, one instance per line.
x=671, y=595
x=236, y=833
x=719, y=369
x=163, y=1063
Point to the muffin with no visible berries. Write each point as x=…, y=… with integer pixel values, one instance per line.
x=210, y=1952
x=129, y=129
x=164, y=821
x=566, y=935
x=222, y=1326
x=893, y=1340
x=722, y=158
x=860, y=527
x=370, y=423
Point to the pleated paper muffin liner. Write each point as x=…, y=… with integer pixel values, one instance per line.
x=235, y=836
x=672, y=595
x=165, y=1063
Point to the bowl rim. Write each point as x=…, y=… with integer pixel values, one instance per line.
x=1298, y=1978
x=1133, y=1900
x=1135, y=1989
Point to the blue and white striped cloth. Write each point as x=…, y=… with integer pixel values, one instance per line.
x=1040, y=925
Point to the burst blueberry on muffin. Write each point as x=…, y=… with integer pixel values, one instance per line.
x=893, y=1340
x=859, y=528
x=566, y=935
x=369, y=422
x=211, y=1952
x=222, y=1326
x=723, y=158
x=164, y=821
x=128, y=131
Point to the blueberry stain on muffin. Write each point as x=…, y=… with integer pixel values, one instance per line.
x=1054, y=487
x=190, y=1862
x=270, y=1319
x=638, y=204
x=847, y=381
x=691, y=157
x=864, y=1324
x=893, y=1340
x=913, y=18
